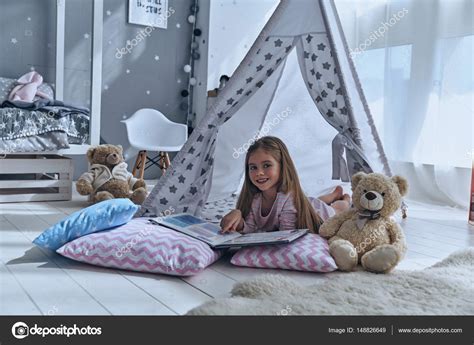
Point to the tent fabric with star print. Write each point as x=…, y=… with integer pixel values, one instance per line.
x=297, y=82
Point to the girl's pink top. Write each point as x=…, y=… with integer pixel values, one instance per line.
x=282, y=216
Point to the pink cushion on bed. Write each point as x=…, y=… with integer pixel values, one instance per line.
x=309, y=253
x=140, y=246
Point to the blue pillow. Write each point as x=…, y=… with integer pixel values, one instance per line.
x=101, y=216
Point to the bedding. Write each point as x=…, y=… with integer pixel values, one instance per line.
x=34, y=131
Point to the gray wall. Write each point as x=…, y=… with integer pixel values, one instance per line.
x=151, y=75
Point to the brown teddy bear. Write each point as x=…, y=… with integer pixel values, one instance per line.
x=108, y=177
x=367, y=233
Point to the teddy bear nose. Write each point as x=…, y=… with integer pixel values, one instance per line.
x=370, y=196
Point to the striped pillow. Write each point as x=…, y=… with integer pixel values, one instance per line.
x=309, y=253
x=140, y=246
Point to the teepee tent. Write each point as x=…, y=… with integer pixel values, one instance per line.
x=296, y=82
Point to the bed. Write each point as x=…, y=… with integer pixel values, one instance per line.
x=39, y=131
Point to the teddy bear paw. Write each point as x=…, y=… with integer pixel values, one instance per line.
x=84, y=187
x=139, y=196
x=381, y=259
x=102, y=196
x=344, y=254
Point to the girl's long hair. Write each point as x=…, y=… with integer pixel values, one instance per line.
x=307, y=218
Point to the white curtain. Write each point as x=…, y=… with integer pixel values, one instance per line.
x=414, y=59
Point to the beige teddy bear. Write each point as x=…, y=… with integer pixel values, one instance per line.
x=108, y=177
x=367, y=233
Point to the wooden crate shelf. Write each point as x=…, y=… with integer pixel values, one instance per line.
x=35, y=177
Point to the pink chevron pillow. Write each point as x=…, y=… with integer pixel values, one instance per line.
x=309, y=253
x=140, y=246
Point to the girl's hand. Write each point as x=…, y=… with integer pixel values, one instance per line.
x=233, y=221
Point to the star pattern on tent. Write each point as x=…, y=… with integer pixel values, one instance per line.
x=330, y=113
x=314, y=57
x=319, y=99
x=211, y=161
x=185, y=209
x=313, y=72
x=201, y=137
x=259, y=84
x=269, y=72
x=183, y=160
x=193, y=190
x=248, y=93
x=318, y=75
x=259, y=68
x=321, y=46
x=278, y=43
x=163, y=201
x=335, y=70
x=278, y=61
x=239, y=91
x=326, y=65
x=310, y=85
x=343, y=110
x=309, y=38
x=233, y=105
x=182, y=198
x=330, y=85
x=190, y=166
x=339, y=91
x=268, y=56
x=191, y=150
x=306, y=55
x=181, y=179
x=324, y=94
x=227, y=118
x=219, y=115
x=210, y=126
x=334, y=104
x=230, y=101
x=249, y=80
x=173, y=189
x=287, y=49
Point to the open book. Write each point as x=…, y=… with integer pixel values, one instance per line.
x=211, y=233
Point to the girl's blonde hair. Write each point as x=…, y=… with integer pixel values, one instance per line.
x=307, y=218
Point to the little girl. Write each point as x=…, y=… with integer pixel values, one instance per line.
x=272, y=198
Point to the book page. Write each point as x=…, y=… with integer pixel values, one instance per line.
x=267, y=237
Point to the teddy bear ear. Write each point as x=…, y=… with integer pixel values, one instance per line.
x=90, y=153
x=120, y=148
x=356, y=178
x=401, y=183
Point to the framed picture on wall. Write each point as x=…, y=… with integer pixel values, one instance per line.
x=153, y=13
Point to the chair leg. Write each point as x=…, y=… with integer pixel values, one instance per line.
x=164, y=162
x=137, y=164
x=143, y=162
x=140, y=165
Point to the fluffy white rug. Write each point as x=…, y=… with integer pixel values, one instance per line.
x=446, y=288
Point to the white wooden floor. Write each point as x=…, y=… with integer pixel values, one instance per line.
x=36, y=282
